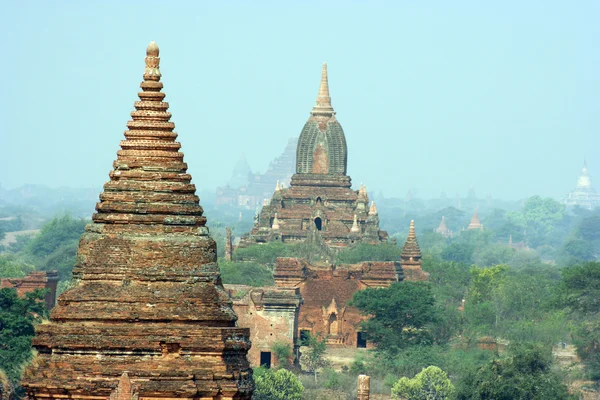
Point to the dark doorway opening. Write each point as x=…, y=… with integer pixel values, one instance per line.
x=304, y=335
x=265, y=359
x=318, y=223
x=361, y=340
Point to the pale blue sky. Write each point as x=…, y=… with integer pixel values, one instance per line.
x=433, y=95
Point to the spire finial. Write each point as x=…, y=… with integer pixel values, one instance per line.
x=323, y=106
x=152, y=72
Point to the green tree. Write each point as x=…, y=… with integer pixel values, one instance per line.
x=18, y=315
x=398, y=315
x=430, y=384
x=278, y=384
x=283, y=354
x=246, y=273
x=369, y=252
x=526, y=374
x=13, y=267
x=312, y=354
x=580, y=290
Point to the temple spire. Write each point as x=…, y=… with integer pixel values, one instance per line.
x=355, y=227
x=323, y=106
x=411, y=250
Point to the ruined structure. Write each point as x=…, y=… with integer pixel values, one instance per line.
x=320, y=198
x=147, y=297
x=34, y=281
x=475, y=222
x=249, y=190
x=443, y=229
x=271, y=313
x=584, y=195
x=326, y=291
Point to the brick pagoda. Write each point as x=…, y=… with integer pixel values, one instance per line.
x=320, y=199
x=148, y=316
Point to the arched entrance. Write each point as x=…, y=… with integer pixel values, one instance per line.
x=333, y=325
x=318, y=223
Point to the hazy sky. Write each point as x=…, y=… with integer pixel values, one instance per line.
x=434, y=96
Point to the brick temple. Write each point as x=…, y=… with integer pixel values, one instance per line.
x=320, y=200
x=148, y=316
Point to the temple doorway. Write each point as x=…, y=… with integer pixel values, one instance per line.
x=265, y=359
x=361, y=340
x=318, y=223
x=333, y=324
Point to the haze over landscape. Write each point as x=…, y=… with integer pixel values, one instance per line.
x=501, y=98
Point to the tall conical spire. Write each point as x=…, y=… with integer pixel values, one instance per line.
x=373, y=209
x=146, y=245
x=323, y=107
x=150, y=183
x=411, y=250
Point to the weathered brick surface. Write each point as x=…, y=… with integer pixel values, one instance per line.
x=147, y=299
x=271, y=313
x=326, y=292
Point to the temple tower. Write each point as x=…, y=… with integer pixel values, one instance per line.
x=410, y=258
x=584, y=194
x=319, y=203
x=443, y=229
x=147, y=310
x=475, y=222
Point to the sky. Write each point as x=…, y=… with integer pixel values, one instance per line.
x=433, y=96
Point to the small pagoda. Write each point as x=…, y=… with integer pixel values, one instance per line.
x=475, y=222
x=584, y=195
x=147, y=316
x=320, y=204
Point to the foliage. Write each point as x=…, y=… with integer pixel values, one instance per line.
x=485, y=281
x=267, y=253
x=369, y=252
x=580, y=291
x=54, y=234
x=245, y=273
x=526, y=374
x=283, y=354
x=398, y=315
x=278, y=384
x=430, y=384
x=312, y=354
x=13, y=267
x=17, y=319
x=55, y=247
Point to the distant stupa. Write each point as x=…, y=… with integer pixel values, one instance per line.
x=584, y=194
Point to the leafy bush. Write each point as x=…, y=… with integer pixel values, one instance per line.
x=369, y=252
x=430, y=384
x=267, y=253
x=18, y=315
x=13, y=267
x=246, y=273
x=276, y=385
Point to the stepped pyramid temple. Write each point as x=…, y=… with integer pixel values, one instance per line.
x=319, y=201
x=147, y=316
x=584, y=194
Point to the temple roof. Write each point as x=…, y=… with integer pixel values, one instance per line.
x=411, y=247
x=442, y=226
x=150, y=183
x=322, y=146
x=475, y=222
